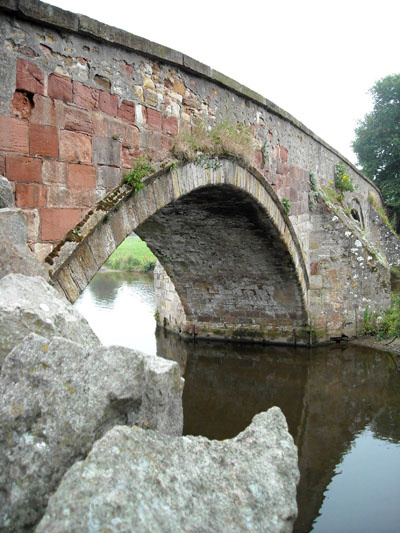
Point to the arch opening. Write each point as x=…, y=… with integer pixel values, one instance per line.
x=233, y=273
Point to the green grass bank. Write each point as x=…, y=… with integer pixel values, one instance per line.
x=132, y=254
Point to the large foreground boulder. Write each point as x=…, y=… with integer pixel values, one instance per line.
x=135, y=480
x=56, y=398
x=30, y=304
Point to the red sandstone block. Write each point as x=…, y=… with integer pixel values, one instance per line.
x=108, y=103
x=129, y=154
x=85, y=96
x=20, y=168
x=100, y=125
x=280, y=169
x=29, y=77
x=2, y=164
x=43, y=140
x=30, y=195
x=167, y=143
x=60, y=88
x=44, y=111
x=13, y=135
x=258, y=158
x=76, y=147
x=61, y=197
x=54, y=172
x=81, y=176
x=170, y=125
x=154, y=119
x=126, y=111
x=21, y=105
x=55, y=223
x=78, y=120
x=283, y=154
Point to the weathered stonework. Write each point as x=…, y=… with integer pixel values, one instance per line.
x=80, y=100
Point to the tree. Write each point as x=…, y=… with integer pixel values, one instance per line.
x=377, y=143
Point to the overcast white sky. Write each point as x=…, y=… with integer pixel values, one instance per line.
x=316, y=59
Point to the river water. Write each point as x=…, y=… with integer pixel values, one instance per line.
x=342, y=404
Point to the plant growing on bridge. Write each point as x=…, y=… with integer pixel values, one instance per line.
x=343, y=181
x=287, y=205
x=314, y=192
x=141, y=169
x=232, y=139
x=387, y=325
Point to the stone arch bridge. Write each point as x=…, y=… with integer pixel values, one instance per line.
x=80, y=100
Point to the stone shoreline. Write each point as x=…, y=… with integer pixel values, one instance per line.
x=384, y=345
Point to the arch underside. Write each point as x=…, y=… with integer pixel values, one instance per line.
x=233, y=273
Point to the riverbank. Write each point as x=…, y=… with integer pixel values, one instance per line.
x=132, y=255
x=384, y=345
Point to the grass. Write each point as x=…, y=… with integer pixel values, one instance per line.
x=387, y=325
x=226, y=138
x=132, y=254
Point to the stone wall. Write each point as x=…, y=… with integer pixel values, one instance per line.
x=81, y=100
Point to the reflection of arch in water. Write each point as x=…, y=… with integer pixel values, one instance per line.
x=328, y=396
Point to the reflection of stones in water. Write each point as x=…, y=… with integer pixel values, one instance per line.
x=105, y=287
x=328, y=395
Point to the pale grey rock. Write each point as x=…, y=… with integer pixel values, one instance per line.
x=13, y=225
x=15, y=256
x=143, y=481
x=6, y=193
x=29, y=304
x=57, y=398
x=18, y=259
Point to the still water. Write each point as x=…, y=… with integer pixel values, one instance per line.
x=342, y=404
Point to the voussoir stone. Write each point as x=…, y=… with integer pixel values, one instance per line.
x=57, y=398
x=30, y=304
x=142, y=481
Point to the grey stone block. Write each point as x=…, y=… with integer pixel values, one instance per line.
x=106, y=151
x=56, y=398
x=137, y=480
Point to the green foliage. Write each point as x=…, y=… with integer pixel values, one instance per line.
x=132, y=254
x=287, y=205
x=228, y=138
x=141, y=169
x=313, y=182
x=343, y=181
x=377, y=142
x=314, y=192
x=388, y=324
x=369, y=322
x=372, y=199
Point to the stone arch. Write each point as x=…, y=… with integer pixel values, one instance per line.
x=224, y=240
